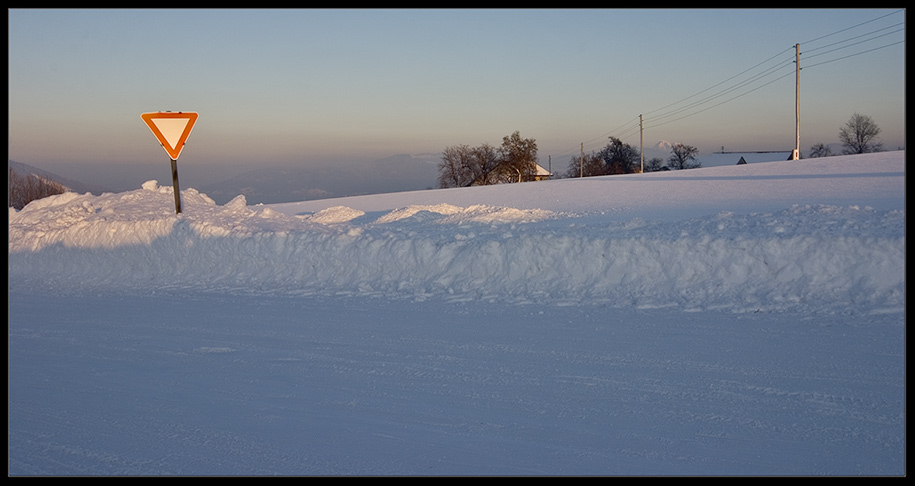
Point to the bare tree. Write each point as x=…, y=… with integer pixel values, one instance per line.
x=515, y=160
x=484, y=161
x=859, y=135
x=589, y=166
x=24, y=189
x=655, y=165
x=454, y=169
x=615, y=158
x=683, y=157
x=820, y=150
x=619, y=157
x=463, y=166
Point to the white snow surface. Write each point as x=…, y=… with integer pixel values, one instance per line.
x=729, y=320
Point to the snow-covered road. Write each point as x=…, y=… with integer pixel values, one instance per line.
x=215, y=385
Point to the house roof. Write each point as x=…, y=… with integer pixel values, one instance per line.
x=541, y=171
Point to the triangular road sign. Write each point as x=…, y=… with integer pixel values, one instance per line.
x=171, y=128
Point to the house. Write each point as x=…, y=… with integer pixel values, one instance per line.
x=541, y=174
x=719, y=159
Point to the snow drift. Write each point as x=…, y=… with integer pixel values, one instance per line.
x=809, y=255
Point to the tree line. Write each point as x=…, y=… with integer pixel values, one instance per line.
x=858, y=136
x=515, y=160
x=618, y=157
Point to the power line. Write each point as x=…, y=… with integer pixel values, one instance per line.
x=855, y=54
x=589, y=144
x=811, y=41
x=716, y=85
x=862, y=35
x=721, y=93
x=772, y=71
x=631, y=127
x=723, y=102
x=858, y=43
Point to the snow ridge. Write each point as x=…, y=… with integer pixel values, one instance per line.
x=802, y=258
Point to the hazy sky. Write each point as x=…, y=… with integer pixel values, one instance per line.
x=315, y=86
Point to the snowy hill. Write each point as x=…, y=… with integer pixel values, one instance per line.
x=745, y=238
x=727, y=320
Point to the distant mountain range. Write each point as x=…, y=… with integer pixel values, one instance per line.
x=270, y=185
x=72, y=185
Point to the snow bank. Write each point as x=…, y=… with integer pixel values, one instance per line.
x=810, y=256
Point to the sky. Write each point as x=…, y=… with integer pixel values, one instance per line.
x=318, y=87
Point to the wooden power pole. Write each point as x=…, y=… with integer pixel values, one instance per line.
x=797, y=103
x=641, y=146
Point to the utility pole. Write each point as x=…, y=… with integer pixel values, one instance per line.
x=581, y=161
x=641, y=146
x=797, y=103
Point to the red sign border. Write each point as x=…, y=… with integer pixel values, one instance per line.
x=173, y=152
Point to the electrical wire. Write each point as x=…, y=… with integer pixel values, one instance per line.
x=629, y=128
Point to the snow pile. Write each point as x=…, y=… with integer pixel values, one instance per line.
x=809, y=256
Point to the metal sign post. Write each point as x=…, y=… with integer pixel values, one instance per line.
x=175, y=188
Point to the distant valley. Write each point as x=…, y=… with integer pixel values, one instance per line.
x=268, y=185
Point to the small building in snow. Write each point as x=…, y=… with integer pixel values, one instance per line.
x=540, y=173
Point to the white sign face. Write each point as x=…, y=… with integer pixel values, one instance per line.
x=171, y=129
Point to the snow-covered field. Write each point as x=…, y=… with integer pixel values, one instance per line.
x=722, y=321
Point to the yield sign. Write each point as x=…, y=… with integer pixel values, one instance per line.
x=171, y=128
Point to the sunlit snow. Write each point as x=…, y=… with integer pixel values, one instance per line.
x=730, y=320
